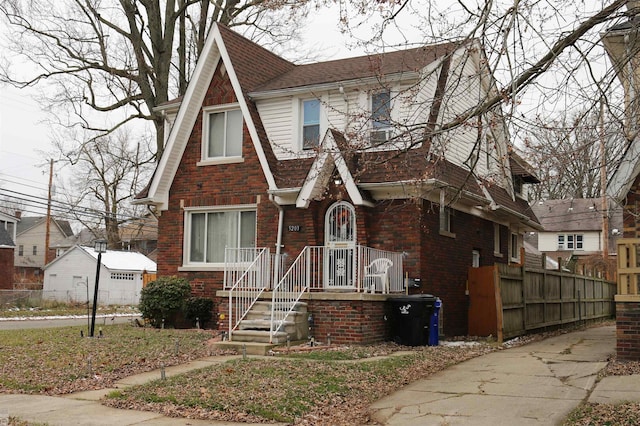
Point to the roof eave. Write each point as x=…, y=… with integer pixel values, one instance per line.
x=266, y=94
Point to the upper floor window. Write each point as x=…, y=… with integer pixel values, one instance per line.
x=222, y=134
x=380, y=117
x=570, y=242
x=310, y=124
x=210, y=232
x=518, y=185
x=35, y=250
x=20, y=250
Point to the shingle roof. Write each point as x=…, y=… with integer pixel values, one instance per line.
x=520, y=167
x=29, y=222
x=577, y=214
x=411, y=60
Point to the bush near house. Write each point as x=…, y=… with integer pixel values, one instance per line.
x=198, y=309
x=163, y=300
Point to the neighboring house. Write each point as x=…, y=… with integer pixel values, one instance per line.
x=329, y=166
x=10, y=224
x=6, y=259
x=573, y=231
x=71, y=277
x=30, y=245
x=140, y=234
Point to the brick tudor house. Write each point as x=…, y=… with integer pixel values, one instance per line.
x=326, y=168
x=621, y=42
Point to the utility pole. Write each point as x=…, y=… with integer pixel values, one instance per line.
x=48, y=223
x=603, y=194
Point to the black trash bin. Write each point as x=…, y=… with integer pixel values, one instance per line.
x=409, y=318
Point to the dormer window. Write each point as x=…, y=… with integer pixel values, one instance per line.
x=222, y=133
x=518, y=184
x=380, y=117
x=310, y=123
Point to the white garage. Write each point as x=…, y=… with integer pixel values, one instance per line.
x=71, y=277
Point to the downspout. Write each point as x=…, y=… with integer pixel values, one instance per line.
x=276, y=268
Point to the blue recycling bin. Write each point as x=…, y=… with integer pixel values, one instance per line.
x=434, y=329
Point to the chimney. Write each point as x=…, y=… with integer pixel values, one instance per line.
x=18, y=214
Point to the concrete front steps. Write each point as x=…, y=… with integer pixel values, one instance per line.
x=253, y=333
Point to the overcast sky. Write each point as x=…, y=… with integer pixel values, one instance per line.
x=25, y=139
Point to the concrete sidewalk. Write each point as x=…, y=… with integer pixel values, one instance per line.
x=535, y=384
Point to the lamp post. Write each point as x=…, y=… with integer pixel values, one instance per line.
x=100, y=247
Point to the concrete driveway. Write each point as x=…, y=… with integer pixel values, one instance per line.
x=535, y=384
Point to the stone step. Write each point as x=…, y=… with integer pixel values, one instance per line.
x=259, y=336
x=283, y=306
x=259, y=314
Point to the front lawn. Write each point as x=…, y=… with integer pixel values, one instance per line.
x=57, y=360
x=312, y=388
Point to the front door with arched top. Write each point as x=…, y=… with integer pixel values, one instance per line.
x=340, y=242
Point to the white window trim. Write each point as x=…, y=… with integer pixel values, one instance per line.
x=497, y=244
x=574, y=242
x=206, y=111
x=445, y=216
x=388, y=129
x=186, y=243
x=517, y=247
x=298, y=123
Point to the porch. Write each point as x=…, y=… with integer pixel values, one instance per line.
x=326, y=288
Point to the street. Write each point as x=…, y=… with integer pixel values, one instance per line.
x=44, y=322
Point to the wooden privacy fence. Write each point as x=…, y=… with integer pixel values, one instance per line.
x=147, y=277
x=508, y=301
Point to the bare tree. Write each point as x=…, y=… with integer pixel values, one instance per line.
x=107, y=171
x=124, y=57
x=547, y=58
x=566, y=154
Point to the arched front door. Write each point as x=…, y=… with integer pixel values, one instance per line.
x=340, y=242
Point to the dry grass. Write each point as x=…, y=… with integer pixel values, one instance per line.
x=319, y=388
x=57, y=360
x=590, y=414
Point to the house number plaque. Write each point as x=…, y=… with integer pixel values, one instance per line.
x=294, y=228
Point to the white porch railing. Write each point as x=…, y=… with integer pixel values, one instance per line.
x=248, y=272
x=309, y=272
x=366, y=255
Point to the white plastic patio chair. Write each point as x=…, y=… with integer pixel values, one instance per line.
x=378, y=269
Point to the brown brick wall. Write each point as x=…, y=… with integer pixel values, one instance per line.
x=445, y=262
x=6, y=268
x=628, y=331
x=360, y=322
x=212, y=185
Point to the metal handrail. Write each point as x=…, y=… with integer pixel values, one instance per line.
x=299, y=278
x=248, y=287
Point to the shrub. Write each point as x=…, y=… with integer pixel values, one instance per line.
x=164, y=298
x=198, y=308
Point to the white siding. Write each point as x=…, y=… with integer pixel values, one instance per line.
x=65, y=281
x=277, y=118
x=548, y=241
x=463, y=92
